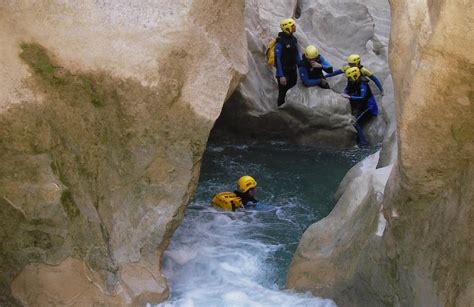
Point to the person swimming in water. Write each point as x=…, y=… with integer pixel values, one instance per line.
x=247, y=189
x=243, y=197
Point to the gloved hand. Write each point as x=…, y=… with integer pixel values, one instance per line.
x=283, y=80
x=324, y=84
x=315, y=64
x=345, y=95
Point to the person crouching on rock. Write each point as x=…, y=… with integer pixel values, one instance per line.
x=354, y=61
x=312, y=66
x=246, y=190
x=287, y=57
x=363, y=103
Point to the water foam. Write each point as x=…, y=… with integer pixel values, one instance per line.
x=218, y=258
x=221, y=258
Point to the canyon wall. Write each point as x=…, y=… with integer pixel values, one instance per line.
x=105, y=109
x=401, y=232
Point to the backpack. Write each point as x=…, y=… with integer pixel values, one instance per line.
x=270, y=52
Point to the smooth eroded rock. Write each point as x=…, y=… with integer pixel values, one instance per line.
x=105, y=110
x=423, y=254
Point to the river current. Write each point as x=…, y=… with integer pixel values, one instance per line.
x=218, y=258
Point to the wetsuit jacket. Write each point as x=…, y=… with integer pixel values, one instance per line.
x=287, y=55
x=364, y=71
x=245, y=197
x=312, y=76
x=361, y=97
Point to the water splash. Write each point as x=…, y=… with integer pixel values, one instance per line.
x=219, y=258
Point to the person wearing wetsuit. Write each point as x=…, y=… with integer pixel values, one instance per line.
x=312, y=66
x=247, y=189
x=363, y=103
x=354, y=61
x=287, y=57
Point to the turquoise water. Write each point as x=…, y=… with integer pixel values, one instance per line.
x=219, y=258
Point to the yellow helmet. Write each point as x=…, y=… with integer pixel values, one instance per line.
x=287, y=24
x=246, y=183
x=353, y=73
x=354, y=59
x=311, y=52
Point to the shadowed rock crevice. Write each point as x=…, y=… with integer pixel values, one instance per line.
x=292, y=123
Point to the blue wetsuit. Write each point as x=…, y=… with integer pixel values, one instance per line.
x=311, y=76
x=364, y=71
x=363, y=105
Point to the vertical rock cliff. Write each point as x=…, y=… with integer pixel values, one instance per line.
x=407, y=240
x=105, y=110
x=431, y=194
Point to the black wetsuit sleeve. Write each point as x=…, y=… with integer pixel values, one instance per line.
x=245, y=198
x=251, y=202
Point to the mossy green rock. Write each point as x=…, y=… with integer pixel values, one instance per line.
x=104, y=116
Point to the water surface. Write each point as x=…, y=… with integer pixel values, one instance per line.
x=219, y=258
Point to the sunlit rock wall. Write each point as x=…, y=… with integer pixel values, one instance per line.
x=105, y=110
x=408, y=242
x=311, y=115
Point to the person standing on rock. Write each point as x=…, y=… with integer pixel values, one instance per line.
x=363, y=103
x=354, y=61
x=312, y=66
x=287, y=57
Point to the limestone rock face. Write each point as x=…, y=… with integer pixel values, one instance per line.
x=310, y=115
x=105, y=109
x=420, y=252
x=331, y=251
x=432, y=190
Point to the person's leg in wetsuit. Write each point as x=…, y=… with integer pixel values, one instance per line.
x=361, y=119
x=291, y=79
